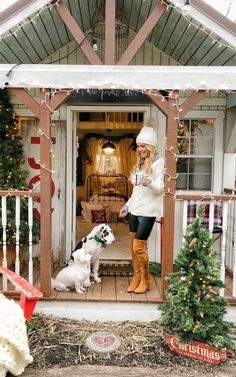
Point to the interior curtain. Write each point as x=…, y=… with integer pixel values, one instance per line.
x=122, y=160
x=127, y=158
x=93, y=150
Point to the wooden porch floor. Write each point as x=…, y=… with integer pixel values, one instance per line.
x=112, y=289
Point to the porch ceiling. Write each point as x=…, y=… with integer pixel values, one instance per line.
x=182, y=38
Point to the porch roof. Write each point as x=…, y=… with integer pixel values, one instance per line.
x=32, y=30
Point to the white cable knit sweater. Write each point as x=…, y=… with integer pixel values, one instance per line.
x=14, y=349
x=148, y=200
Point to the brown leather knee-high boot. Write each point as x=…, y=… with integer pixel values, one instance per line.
x=140, y=250
x=136, y=269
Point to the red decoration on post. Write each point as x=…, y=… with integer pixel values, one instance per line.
x=196, y=350
x=34, y=165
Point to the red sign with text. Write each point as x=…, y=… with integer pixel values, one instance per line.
x=196, y=350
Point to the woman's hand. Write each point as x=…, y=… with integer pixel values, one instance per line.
x=123, y=212
x=146, y=180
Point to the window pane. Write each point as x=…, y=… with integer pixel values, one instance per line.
x=184, y=128
x=199, y=182
x=202, y=128
x=182, y=165
x=200, y=165
x=201, y=146
x=194, y=173
x=195, y=154
x=183, y=145
x=181, y=182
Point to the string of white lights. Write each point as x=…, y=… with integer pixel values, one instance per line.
x=12, y=192
x=20, y=25
x=168, y=5
x=199, y=27
x=202, y=197
x=45, y=168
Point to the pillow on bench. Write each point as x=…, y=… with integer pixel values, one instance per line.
x=87, y=207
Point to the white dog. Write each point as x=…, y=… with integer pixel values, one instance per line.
x=74, y=275
x=93, y=244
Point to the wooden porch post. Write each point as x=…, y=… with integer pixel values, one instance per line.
x=43, y=113
x=170, y=110
x=169, y=198
x=45, y=197
x=110, y=13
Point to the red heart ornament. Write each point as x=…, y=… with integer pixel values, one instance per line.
x=103, y=341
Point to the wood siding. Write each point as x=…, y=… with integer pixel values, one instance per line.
x=30, y=129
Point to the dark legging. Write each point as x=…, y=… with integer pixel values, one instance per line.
x=141, y=225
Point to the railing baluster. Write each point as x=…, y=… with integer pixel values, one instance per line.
x=30, y=223
x=234, y=250
x=211, y=217
x=4, y=238
x=17, y=222
x=6, y=256
x=223, y=245
x=231, y=236
x=227, y=247
x=185, y=217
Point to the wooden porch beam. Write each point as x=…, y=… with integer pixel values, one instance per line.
x=159, y=101
x=170, y=185
x=78, y=35
x=110, y=31
x=192, y=101
x=27, y=99
x=45, y=198
x=58, y=98
x=141, y=36
x=133, y=77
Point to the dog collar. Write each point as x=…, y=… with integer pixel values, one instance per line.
x=98, y=239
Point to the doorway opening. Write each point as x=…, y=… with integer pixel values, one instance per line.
x=105, y=156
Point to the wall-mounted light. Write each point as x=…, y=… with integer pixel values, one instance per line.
x=108, y=147
x=186, y=8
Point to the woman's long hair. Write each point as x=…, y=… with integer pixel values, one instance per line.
x=147, y=162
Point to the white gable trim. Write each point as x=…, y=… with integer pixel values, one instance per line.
x=20, y=16
x=207, y=22
x=117, y=77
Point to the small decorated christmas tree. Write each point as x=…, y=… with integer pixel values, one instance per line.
x=194, y=309
x=13, y=175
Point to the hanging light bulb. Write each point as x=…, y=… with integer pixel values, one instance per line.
x=108, y=147
x=95, y=45
x=186, y=8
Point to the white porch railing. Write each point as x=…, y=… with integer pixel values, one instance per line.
x=226, y=231
x=16, y=246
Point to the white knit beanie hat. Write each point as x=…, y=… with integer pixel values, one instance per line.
x=148, y=134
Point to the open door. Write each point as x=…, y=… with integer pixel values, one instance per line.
x=71, y=154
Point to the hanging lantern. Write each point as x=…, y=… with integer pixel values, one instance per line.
x=108, y=147
x=121, y=31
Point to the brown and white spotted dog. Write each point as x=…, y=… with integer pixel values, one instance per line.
x=100, y=236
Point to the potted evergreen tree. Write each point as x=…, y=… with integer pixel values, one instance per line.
x=13, y=176
x=192, y=315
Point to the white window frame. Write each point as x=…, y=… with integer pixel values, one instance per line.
x=218, y=148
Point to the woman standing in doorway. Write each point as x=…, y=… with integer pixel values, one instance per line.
x=145, y=203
